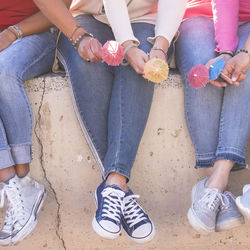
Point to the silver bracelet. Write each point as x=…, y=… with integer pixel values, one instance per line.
x=131, y=45
x=17, y=30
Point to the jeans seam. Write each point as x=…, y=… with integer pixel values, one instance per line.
x=86, y=133
x=121, y=126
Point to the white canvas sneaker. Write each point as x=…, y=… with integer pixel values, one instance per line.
x=29, y=200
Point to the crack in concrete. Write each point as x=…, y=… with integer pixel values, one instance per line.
x=37, y=123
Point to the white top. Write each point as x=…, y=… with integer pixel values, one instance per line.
x=119, y=14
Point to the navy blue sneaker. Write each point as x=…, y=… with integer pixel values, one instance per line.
x=107, y=220
x=135, y=221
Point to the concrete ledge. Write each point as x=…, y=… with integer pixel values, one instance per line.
x=163, y=175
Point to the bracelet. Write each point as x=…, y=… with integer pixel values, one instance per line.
x=160, y=49
x=74, y=31
x=18, y=32
x=226, y=52
x=131, y=45
x=14, y=33
x=80, y=38
x=243, y=50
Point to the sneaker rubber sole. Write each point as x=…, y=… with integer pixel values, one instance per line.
x=145, y=239
x=100, y=230
x=5, y=241
x=32, y=221
x=229, y=224
x=194, y=220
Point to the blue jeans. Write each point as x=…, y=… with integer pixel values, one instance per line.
x=112, y=103
x=24, y=59
x=218, y=119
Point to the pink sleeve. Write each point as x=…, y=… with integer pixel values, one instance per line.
x=225, y=14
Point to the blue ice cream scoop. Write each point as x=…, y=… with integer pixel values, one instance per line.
x=216, y=68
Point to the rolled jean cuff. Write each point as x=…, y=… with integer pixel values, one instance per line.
x=21, y=154
x=204, y=163
x=116, y=169
x=239, y=161
x=6, y=159
x=204, y=160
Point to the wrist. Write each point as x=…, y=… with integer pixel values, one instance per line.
x=162, y=43
x=226, y=52
x=11, y=36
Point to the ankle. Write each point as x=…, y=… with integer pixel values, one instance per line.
x=118, y=180
x=219, y=184
x=22, y=170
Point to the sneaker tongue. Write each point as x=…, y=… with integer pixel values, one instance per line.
x=115, y=187
x=213, y=189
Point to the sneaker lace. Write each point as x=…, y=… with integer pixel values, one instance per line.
x=226, y=199
x=15, y=206
x=133, y=213
x=212, y=198
x=113, y=205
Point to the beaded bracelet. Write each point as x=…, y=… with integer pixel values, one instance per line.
x=80, y=38
x=242, y=50
x=74, y=31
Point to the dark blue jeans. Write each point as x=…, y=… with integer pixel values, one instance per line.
x=112, y=103
x=218, y=119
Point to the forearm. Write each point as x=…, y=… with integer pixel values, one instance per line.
x=247, y=44
x=57, y=12
x=226, y=24
x=118, y=17
x=34, y=24
x=170, y=14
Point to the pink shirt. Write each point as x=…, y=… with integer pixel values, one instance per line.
x=226, y=15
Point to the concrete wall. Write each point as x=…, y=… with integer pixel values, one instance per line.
x=163, y=175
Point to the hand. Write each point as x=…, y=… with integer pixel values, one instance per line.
x=6, y=39
x=210, y=62
x=90, y=49
x=156, y=53
x=161, y=44
x=137, y=58
x=236, y=67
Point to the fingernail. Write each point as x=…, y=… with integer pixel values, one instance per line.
x=234, y=78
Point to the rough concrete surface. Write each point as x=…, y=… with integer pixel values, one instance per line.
x=163, y=175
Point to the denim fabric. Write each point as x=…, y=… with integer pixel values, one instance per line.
x=217, y=118
x=24, y=59
x=112, y=103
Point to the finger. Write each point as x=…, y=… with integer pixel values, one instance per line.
x=226, y=78
x=218, y=84
x=96, y=50
x=242, y=77
x=236, y=73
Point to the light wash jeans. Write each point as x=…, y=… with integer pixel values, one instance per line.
x=112, y=103
x=218, y=119
x=24, y=59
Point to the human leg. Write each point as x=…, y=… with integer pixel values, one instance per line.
x=24, y=59
x=203, y=116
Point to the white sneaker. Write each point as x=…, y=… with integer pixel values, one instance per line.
x=243, y=202
x=10, y=192
x=31, y=197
